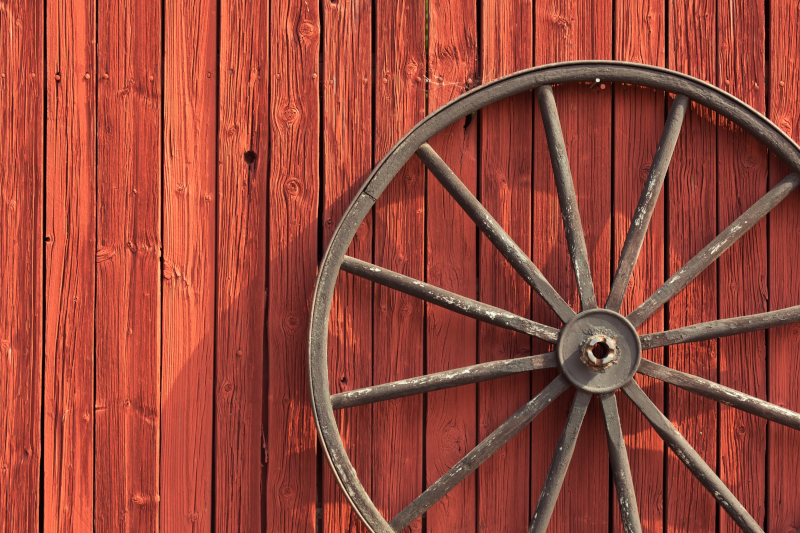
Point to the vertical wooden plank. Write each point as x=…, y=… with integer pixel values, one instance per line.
x=21, y=213
x=347, y=141
x=187, y=378
x=293, y=203
x=399, y=245
x=451, y=262
x=783, y=499
x=241, y=256
x=691, y=204
x=128, y=302
x=742, y=166
x=569, y=31
x=70, y=267
x=505, y=190
x=638, y=123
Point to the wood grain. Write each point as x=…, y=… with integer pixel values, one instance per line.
x=291, y=485
x=691, y=213
x=21, y=262
x=187, y=377
x=638, y=122
x=742, y=166
x=241, y=259
x=399, y=245
x=70, y=267
x=451, y=263
x=571, y=31
x=783, y=468
x=127, y=406
x=505, y=191
x=347, y=129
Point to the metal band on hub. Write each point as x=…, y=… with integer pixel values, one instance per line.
x=582, y=337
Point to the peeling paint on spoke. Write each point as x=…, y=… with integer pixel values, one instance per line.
x=494, y=232
x=620, y=468
x=443, y=380
x=560, y=463
x=683, y=450
x=647, y=203
x=449, y=300
x=721, y=394
x=722, y=328
x=714, y=249
x=487, y=447
x=570, y=214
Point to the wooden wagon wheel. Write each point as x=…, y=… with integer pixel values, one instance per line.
x=597, y=350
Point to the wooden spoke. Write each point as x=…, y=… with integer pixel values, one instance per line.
x=449, y=300
x=570, y=213
x=620, y=468
x=494, y=232
x=722, y=328
x=722, y=394
x=647, y=202
x=714, y=249
x=699, y=469
x=444, y=380
x=559, y=463
x=487, y=447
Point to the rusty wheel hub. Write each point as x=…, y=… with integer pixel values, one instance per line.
x=599, y=351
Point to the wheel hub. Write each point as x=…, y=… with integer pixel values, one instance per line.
x=599, y=351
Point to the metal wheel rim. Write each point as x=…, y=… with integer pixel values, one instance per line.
x=713, y=98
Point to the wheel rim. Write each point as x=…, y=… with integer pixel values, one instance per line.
x=541, y=78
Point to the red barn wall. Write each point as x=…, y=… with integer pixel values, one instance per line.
x=170, y=173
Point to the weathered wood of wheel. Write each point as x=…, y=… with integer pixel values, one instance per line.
x=597, y=350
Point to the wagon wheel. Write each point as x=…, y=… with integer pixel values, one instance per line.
x=597, y=350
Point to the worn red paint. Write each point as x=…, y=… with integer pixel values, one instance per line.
x=347, y=141
x=198, y=393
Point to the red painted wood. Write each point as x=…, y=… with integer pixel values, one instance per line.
x=70, y=267
x=638, y=124
x=742, y=167
x=505, y=190
x=399, y=245
x=290, y=438
x=564, y=32
x=243, y=161
x=691, y=204
x=451, y=263
x=187, y=375
x=783, y=499
x=127, y=405
x=347, y=141
x=21, y=254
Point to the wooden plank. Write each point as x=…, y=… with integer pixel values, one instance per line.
x=692, y=223
x=21, y=255
x=291, y=486
x=451, y=263
x=347, y=118
x=241, y=258
x=742, y=166
x=783, y=468
x=70, y=267
x=187, y=377
x=638, y=122
x=505, y=190
x=399, y=245
x=128, y=300
x=569, y=31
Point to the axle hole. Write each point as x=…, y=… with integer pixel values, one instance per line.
x=600, y=350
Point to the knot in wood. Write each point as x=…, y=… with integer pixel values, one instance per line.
x=293, y=187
